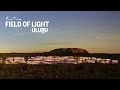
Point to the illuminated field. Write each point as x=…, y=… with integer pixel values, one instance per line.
x=56, y=60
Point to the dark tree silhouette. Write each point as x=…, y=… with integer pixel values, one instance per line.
x=3, y=60
x=26, y=59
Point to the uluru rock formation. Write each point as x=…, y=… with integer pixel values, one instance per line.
x=68, y=51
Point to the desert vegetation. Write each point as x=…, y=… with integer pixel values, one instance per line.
x=60, y=71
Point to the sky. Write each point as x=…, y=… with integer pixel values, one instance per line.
x=94, y=31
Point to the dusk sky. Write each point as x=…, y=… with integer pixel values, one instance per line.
x=94, y=31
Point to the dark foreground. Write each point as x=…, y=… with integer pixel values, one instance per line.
x=60, y=71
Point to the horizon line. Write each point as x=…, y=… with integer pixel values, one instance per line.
x=43, y=52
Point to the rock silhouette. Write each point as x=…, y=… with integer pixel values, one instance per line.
x=68, y=51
